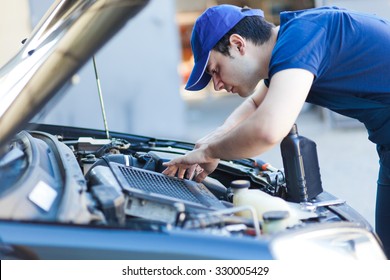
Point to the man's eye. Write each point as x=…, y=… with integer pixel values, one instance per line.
x=212, y=72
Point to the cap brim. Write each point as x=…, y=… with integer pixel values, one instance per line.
x=199, y=78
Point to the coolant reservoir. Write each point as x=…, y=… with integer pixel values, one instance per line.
x=261, y=202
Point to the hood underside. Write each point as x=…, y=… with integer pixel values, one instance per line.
x=68, y=35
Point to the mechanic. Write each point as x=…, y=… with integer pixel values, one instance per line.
x=327, y=56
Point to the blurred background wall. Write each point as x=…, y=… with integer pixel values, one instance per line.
x=378, y=7
x=15, y=25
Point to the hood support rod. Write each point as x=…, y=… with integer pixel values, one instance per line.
x=101, y=98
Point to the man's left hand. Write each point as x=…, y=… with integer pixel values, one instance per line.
x=194, y=165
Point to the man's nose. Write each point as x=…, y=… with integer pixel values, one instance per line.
x=218, y=84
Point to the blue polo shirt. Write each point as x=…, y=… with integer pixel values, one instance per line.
x=349, y=55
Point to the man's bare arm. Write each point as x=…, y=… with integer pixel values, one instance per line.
x=247, y=107
x=241, y=113
x=271, y=121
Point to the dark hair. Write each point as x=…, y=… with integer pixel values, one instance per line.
x=253, y=28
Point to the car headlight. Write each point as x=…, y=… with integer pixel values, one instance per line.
x=329, y=243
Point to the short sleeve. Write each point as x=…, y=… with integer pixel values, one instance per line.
x=301, y=44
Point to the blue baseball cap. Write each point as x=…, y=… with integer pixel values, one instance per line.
x=209, y=28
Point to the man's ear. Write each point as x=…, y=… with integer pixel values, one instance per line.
x=238, y=43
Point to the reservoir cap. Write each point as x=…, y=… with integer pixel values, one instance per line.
x=240, y=184
x=275, y=215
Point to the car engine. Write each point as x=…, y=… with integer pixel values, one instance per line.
x=66, y=175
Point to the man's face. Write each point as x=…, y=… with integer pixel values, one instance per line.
x=235, y=73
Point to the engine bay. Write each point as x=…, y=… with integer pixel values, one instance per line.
x=60, y=177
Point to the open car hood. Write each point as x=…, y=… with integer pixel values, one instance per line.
x=68, y=35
